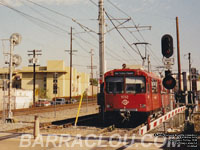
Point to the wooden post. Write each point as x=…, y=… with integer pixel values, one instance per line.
x=178, y=55
x=36, y=131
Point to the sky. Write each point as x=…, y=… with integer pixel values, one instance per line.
x=45, y=25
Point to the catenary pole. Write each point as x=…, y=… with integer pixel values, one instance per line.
x=101, y=40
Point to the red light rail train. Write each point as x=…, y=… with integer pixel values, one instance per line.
x=128, y=94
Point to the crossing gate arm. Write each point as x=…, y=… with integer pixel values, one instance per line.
x=143, y=130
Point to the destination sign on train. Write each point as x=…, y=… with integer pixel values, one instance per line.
x=124, y=73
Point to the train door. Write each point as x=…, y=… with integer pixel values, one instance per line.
x=148, y=94
x=155, y=98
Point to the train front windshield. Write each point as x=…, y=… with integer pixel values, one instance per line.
x=115, y=85
x=128, y=84
x=135, y=85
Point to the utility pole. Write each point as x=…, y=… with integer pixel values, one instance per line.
x=178, y=56
x=70, y=95
x=148, y=61
x=101, y=41
x=92, y=67
x=34, y=60
x=189, y=58
x=70, y=52
x=92, y=72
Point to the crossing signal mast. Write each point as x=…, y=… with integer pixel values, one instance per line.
x=167, y=51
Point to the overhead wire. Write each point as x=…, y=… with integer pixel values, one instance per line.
x=122, y=35
x=58, y=13
x=46, y=23
x=31, y=17
x=82, y=26
x=117, y=30
x=154, y=55
x=41, y=14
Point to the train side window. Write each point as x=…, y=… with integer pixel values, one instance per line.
x=154, y=85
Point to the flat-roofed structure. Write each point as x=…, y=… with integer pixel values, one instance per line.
x=45, y=78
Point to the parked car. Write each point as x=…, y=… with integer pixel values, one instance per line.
x=42, y=102
x=71, y=102
x=58, y=101
x=74, y=101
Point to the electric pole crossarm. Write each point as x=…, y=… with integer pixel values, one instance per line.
x=84, y=27
x=118, y=26
x=136, y=27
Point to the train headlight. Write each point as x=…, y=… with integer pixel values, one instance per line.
x=109, y=106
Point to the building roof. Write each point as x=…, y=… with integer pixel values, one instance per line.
x=52, y=67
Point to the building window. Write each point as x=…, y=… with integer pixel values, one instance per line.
x=55, y=78
x=45, y=82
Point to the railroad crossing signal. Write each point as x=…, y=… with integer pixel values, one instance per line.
x=167, y=45
x=169, y=82
x=167, y=51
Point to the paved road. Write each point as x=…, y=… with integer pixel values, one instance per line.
x=16, y=141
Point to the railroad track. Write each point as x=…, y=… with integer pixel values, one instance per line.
x=83, y=122
x=68, y=122
x=57, y=124
x=26, y=111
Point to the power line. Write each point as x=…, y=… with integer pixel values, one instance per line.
x=154, y=55
x=41, y=14
x=50, y=10
x=65, y=16
x=117, y=28
x=121, y=34
x=34, y=18
x=108, y=52
x=82, y=26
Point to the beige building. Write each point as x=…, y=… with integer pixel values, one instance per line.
x=45, y=78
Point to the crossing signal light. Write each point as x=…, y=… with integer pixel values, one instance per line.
x=169, y=82
x=167, y=45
